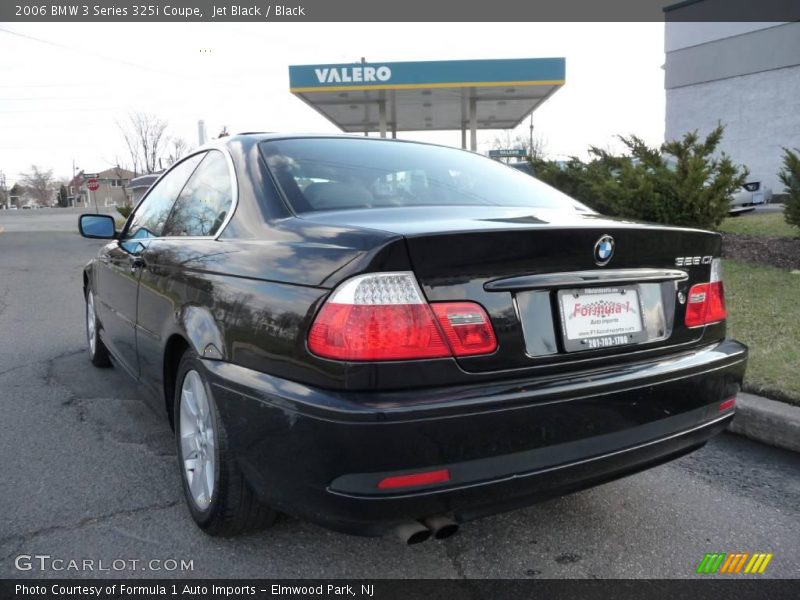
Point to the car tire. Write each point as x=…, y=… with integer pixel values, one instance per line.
x=98, y=353
x=219, y=498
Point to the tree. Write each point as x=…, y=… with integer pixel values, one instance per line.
x=39, y=184
x=145, y=137
x=790, y=177
x=63, y=196
x=224, y=132
x=178, y=147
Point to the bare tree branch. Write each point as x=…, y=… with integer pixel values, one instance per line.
x=178, y=148
x=145, y=137
x=508, y=139
x=39, y=184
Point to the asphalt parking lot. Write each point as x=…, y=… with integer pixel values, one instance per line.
x=88, y=472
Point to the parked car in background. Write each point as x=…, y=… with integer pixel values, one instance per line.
x=381, y=335
x=523, y=165
x=750, y=195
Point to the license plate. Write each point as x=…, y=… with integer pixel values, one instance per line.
x=597, y=318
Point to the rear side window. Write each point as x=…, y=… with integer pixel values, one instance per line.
x=319, y=174
x=151, y=215
x=205, y=201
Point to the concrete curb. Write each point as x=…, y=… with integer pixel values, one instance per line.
x=767, y=421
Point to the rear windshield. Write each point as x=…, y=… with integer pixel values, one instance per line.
x=322, y=174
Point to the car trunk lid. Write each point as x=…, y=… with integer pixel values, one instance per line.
x=539, y=277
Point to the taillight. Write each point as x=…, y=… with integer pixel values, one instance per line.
x=466, y=326
x=384, y=316
x=706, y=301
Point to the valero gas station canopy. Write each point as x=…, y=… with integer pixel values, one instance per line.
x=431, y=95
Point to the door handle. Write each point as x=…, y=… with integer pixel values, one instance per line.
x=137, y=262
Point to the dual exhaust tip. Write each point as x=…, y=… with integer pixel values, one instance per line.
x=416, y=532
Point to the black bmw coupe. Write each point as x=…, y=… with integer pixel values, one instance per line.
x=379, y=335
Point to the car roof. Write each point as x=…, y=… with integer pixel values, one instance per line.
x=249, y=138
x=260, y=136
x=273, y=135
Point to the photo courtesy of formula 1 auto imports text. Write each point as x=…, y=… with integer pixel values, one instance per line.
x=349, y=299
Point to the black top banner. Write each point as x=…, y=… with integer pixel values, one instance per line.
x=107, y=11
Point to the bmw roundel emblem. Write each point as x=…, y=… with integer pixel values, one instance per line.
x=604, y=250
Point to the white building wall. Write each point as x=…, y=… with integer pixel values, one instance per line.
x=680, y=34
x=760, y=111
x=744, y=75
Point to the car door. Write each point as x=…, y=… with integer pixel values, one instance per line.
x=121, y=263
x=170, y=282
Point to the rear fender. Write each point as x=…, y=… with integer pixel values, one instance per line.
x=202, y=331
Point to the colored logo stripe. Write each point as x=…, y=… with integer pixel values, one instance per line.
x=734, y=562
x=758, y=563
x=710, y=563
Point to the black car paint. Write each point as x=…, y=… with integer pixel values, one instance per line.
x=506, y=444
x=245, y=300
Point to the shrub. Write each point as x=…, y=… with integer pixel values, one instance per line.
x=125, y=210
x=576, y=179
x=790, y=177
x=679, y=183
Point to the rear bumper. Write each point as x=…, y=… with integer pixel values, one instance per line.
x=319, y=454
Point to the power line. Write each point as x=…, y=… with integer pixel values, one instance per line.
x=89, y=52
x=84, y=109
x=42, y=85
x=239, y=78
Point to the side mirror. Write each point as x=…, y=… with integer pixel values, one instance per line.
x=101, y=227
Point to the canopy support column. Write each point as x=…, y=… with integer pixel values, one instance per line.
x=463, y=120
x=473, y=124
x=393, y=97
x=382, y=115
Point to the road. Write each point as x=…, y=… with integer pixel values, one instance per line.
x=88, y=472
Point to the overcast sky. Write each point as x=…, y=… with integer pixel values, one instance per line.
x=64, y=87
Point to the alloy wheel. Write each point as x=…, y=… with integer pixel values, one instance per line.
x=197, y=440
x=91, y=323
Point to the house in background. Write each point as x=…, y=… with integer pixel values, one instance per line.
x=112, y=191
x=17, y=196
x=138, y=186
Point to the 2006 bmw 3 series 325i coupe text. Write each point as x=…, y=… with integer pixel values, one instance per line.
x=379, y=335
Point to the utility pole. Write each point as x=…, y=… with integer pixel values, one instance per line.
x=3, y=189
x=530, y=142
x=75, y=184
x=201, y=132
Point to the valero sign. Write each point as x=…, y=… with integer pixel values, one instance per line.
x=508, y=152
x=364, y=74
